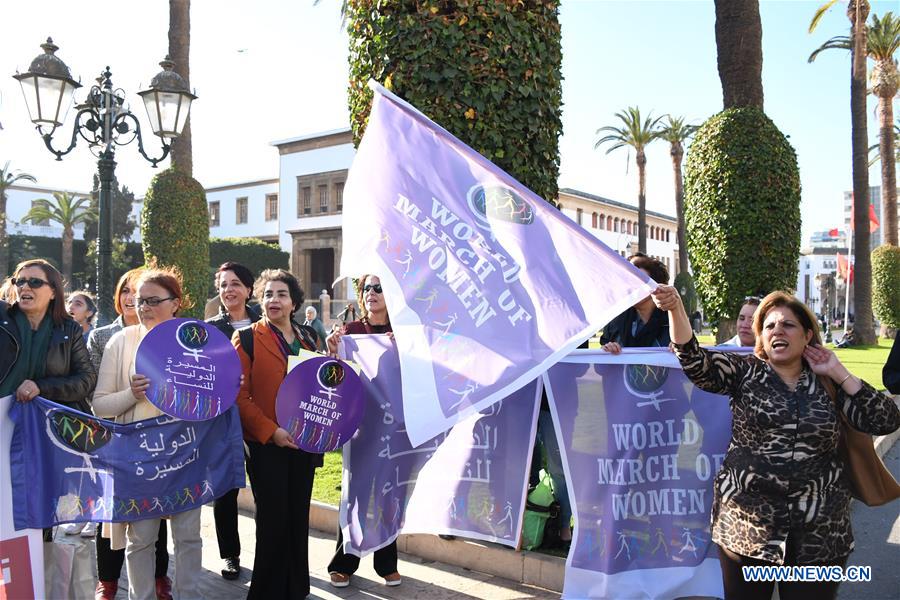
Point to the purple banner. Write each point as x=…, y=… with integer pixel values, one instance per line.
x=67, y=466
x=641, y=446
x=486, y=283
x=320, y=404
x=469, y=481
x=193, y=369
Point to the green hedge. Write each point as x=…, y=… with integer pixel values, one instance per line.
x=489, y=71
x=254, y=254
x=742, y=210
x=886, y=285
x=684, y=281
x=25, y=247
x=175, y=231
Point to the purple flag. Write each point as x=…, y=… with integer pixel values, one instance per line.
x=487, y=285
x=469, y=481
x=641, y=447
x=67, y=466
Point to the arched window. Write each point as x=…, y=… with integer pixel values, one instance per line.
x=609, y=223
x=616, y=225
x=628, y=227
x=594, y=220
x=667, y=235
x=602, y=221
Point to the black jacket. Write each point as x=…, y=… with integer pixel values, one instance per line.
x=69, y=378
x=222, y=321
x=890, y=374
x=654, y=333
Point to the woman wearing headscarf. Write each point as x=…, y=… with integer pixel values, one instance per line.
x=280, y=473
x=782, y=495
x=234, y=284
x=109, y=561
x=121, y=395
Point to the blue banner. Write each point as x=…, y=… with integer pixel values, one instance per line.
x=641, y=447
x=67, y=466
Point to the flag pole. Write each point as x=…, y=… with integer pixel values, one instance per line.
x=847, y=280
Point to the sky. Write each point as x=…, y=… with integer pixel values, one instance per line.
x=272, y=69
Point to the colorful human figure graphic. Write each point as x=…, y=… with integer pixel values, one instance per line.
x=406, y=262
x=463, y=394
x=660, y=543
x=688, y=542
x=429, y=299
x=623, y=545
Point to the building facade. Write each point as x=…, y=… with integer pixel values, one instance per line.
x=819, y=285
x=20, y=199
x=875, y=200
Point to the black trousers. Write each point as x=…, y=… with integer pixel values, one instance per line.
x=385, y=559
x=225, y=510
x=109, y=561
x=282, y=482
x=737, y=588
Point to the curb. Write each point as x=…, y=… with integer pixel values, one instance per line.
x=530, y=568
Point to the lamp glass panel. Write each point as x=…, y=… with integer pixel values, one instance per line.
x=183, y=114
x=50, y=99
x=150, y=104
x=168, y=111
x=30, y=93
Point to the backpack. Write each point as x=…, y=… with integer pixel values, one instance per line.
x=308, y=338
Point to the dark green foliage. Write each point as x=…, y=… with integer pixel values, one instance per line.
x=684, y=283
x=175, y=231
x=486, y=70
x=122, y=223
x=25, y=247
x=886, y=285
x=742, y=210
x=254, y=254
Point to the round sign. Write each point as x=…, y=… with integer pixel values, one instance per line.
x=193, y=369
x=320, y=403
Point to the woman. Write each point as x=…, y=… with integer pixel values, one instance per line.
x=281, y=474
x=374, y=319
x=109, y=561
x=121, y=395
x=781, y=497
x=745, y=335
x=234, y=283
x=643, y=325
x=81, y=307
x=42, y=351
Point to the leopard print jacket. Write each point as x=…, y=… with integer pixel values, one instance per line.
x=781, y=476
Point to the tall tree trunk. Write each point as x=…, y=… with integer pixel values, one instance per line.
x=739, y=52
x=677, y=153
x=888, y=170
x=179, y=51
x=864, y=327
x=67, y=238
x=4, y=239
x=641, y=159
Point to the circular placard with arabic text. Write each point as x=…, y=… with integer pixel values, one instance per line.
x=320, y=403
x=193, y=369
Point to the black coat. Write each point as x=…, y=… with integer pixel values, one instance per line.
x=69, y=378
x=222, y=321
x=890, y=374
x=655, y=332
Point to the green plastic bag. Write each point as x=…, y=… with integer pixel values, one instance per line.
x=537, y=511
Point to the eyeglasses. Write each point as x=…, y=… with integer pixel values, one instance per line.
x=752, y=300
x=33, y=282
x=151, y=301
x=372, y=286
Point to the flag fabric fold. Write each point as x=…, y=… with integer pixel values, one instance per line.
x=486, y=284
x=67, y=466
x=469, y=481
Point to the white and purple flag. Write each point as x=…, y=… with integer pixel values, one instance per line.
x=469, y=481
x=486, y=284
x=641, y=447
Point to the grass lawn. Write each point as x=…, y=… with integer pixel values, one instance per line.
x=328, y=480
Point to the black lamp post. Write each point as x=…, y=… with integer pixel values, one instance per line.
x=104, y=121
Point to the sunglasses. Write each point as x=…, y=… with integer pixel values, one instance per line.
x=151, y=301
x=372, y=286
x=33, y=282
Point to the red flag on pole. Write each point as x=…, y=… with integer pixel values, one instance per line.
x=873, y=220
x=843, y=268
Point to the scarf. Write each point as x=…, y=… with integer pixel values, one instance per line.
x=32, y=359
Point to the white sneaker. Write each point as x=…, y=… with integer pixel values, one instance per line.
x=71, y=528
x=89, y=531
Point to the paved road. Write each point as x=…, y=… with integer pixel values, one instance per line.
x=877, y=534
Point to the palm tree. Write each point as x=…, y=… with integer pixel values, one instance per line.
x=739, y=52
x=858, y=13
x=8, y=178
x=635, y=133
x=882, y=41
x=677, y=132
x=68, y=210
x=179, y=51
x=875, y=149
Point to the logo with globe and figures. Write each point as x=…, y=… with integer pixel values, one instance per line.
x=499, y=203
x=646, y=382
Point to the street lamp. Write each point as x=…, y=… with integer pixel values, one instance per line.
x=104, y=121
